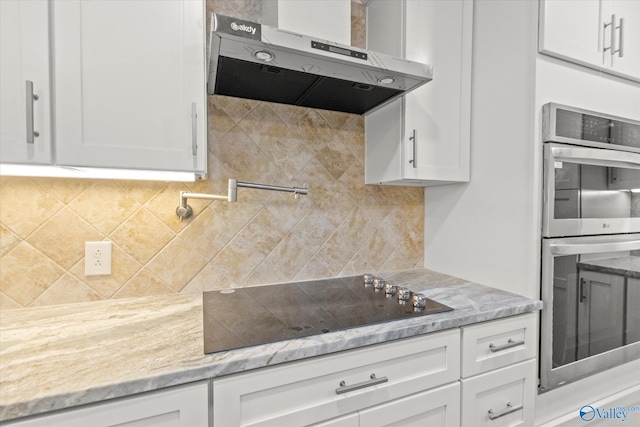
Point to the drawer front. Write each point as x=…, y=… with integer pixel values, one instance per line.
x=313, y=390
x=436, y=407
x=498, y=343
x=504, y=397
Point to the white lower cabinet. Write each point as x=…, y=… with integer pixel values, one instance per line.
x=499, y=380
x=180, y=406
x=504, y=397
x=378, y=383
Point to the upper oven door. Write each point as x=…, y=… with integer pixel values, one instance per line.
x=590, y=191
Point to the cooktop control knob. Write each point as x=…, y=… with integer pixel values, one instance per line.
x=419, y=301
x=403, y=295
x=368, y=280
x=379, y=283
x=390, y=289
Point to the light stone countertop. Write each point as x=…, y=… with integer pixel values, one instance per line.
x=628, y=266
x=63, y=356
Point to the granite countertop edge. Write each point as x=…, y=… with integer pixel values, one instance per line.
x=472, y=303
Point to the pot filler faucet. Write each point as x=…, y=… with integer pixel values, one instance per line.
x=185, y=211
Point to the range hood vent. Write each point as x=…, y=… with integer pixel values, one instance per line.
x=256, y=61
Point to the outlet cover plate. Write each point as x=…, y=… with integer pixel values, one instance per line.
x=97, y=258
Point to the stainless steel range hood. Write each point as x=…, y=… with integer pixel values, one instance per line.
x=256, y=61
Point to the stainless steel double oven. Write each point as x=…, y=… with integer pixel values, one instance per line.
x=590, y=244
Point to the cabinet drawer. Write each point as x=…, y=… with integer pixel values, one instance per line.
x=498, y=343
x=504, y=397
x=309, y=391
x=436, y=407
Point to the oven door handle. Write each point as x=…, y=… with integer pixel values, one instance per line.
x=595, y=156
x=590, y=248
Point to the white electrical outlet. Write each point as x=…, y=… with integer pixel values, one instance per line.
x=97, y=258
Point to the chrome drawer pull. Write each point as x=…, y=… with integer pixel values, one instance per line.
x=510, y=343
x=373, y=381
x=510, y=409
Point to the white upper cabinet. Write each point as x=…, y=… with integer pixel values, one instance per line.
x=24, y=73
x=129, y=80
x=130, y=84
x=601, y=34
x=422, y=138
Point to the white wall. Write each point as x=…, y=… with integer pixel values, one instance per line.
x=488, y=231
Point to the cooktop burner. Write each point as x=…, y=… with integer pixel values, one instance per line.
x=235, y=318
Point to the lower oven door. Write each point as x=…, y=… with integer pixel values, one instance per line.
x=591, y=293
x=590, y=191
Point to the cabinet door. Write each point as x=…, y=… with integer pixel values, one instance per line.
x=182, y=406
x=571, y=30
x=24, y=57
x=130, y=86
x=437, y=115
x=600, y=312
x=437, y=407
x=504, y=397
x=633, y=314
x=424, y=137
x=626, y=58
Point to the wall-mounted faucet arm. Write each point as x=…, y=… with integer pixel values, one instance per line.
x=185, y=211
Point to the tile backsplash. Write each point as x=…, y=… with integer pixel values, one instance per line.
x=342, y=227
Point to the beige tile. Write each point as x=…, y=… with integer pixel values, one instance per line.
x=104, y=205
x=316, y=178
x=264, y=232
x=8, y=240
x=250, y=10
x=208, y=279
x=123, y=267
x=335, y=119
x=314, y=229
x=143, y=284
x=336, y=162
x=141, y=191
x=142, y=235
x=65, y=189
x=24, y=205
x=236, y=108
x=337, y=204
x=314, y=128
x=336, y=252
x=25, y=273
x=358, y=24
x=7, y=303
x=62, y=238
x=179, y=261
x=289, y=114
x=288, y=210
x=314, y=269
x=235, y=262
x=219, y=122
x=353, y=136
x=66, y=290
x=409, y=254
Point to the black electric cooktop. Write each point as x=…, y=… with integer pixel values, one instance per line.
x=236, y=318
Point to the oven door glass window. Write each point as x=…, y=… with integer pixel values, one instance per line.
x=594, y=300
x=591, y=292
x=589, y=193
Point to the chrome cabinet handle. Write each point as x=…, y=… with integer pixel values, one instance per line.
x=510, y=343
x=194, y=129
x=620, y=50
x=612, y=46
x=413, y=138
x=369, y=383
x=583, y=284
x=31, y=97
x=510, y=409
